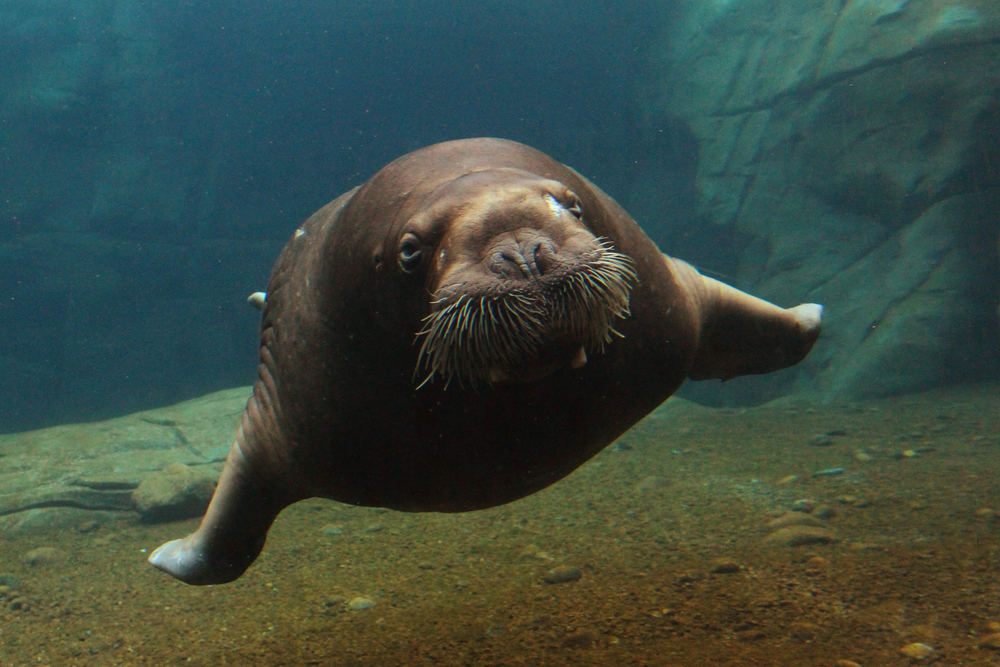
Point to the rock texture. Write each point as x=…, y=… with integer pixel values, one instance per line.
x=162, y=463
x=176, y=492
x=854, y=145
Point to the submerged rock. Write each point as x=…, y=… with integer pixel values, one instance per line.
x=563, y=575
x=797, y=536
x=176, y=492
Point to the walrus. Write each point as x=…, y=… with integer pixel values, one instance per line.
x=466, y=328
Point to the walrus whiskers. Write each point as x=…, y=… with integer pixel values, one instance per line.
x=474, y=338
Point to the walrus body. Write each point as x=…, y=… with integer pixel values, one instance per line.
x=368, y=394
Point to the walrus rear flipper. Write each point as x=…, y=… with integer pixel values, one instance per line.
x=232, y=533
x=744, y=335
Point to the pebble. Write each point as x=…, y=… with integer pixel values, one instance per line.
x=88, y=527
x=40, y=557
x=821, y=440
x=332, y=529
x=563, y=575
x=788, y=479
x=804, y=505
x=829, y=472
x=817, y=563
x=581, y=639
x=724, y=566
x=797, y=536
x=824, y=512
x=917, y=651
x=794, y=519
x=862, y=455
x=334, y=601
x=374, y=528
x=986, y=512
x=360, y=603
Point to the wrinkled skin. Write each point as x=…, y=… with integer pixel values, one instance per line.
x=346, y=407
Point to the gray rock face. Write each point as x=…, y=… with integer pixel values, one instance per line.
x=856, y=145
x=162, y=463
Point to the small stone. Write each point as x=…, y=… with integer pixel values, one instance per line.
x=563, y=575
x=334, y=601
x=175, y=492
x=797, y=536
x=804, y=505
x=794, y=519
x=788, y=479
x=824, y=512
x=374, y=528
x=88, y=526
x=360, y=603
x=910, y=453
x=724, y=566
x=41, y=556
x=425, y=566
x=332, y=529
x=990, y=641
x=862, y=455
x=917, y=651
x=847, y=500
x=986, y=513
x=821, y=440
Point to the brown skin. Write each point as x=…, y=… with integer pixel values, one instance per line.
x=337, y=413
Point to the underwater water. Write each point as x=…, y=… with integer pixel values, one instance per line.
x=155, y=158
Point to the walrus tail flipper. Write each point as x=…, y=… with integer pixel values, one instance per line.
x=231, y=534
x=744, y=335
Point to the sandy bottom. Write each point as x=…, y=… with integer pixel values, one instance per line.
x=667, y=529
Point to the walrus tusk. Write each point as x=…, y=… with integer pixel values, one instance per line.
x=258, y=300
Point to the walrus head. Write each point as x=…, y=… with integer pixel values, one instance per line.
x=519, y=286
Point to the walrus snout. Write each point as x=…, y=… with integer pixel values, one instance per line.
x=527, y=310
x=524, y=254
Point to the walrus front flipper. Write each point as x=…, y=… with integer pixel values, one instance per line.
x=744, y=335
x=231, y=534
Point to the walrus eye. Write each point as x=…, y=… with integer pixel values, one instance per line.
x=575, y=206
x=410, y=254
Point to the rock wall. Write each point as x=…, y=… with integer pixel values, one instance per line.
x=155, y=156
x=855, y=145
